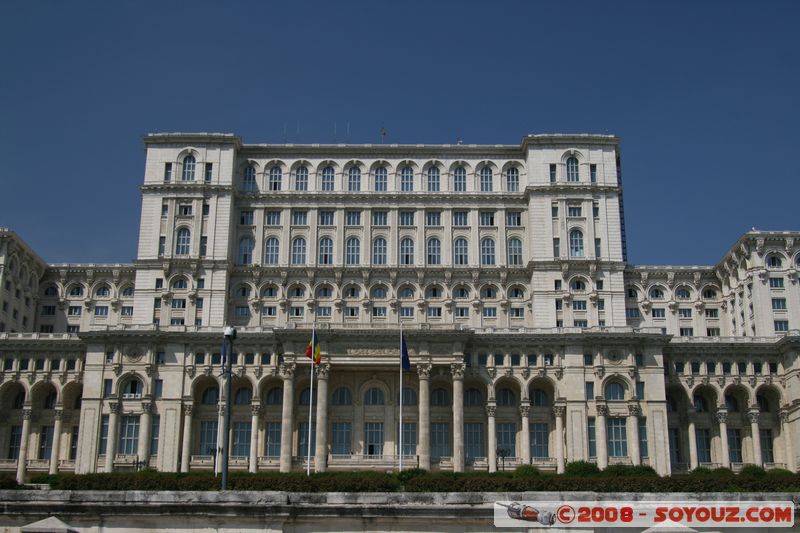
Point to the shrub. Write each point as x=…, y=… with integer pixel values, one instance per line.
x=581, y=469
x=628, y=471
x=406, y=475
x=779, y=472
x=8, y=483
x=700, y=471
x=752, y=471
x=526, y=471
x=722, y=472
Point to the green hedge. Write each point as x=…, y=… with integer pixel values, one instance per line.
x=8, y=483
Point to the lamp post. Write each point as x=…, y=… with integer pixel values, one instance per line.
x=230, y=336
x=503, y=453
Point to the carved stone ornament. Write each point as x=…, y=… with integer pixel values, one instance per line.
x=424, y=370
x=752, y=415
x=189, y=371
x=602, y=410
x=599, y=371
x=255, y=409
x=491, y=410
x=117, y=369
x=752, y=381
x=457, y=370
x=524, y=411
x=559, y=373
x=187, y=409
x=525, y=372
x=147, y=407
x=492, y=371
x=287, y=371
x=323, y=370
x=722, y=416
x=559, y=410
x=784, y=415
x=115, y=407
x=634, y=409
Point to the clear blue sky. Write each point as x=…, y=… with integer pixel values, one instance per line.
x=703, y=94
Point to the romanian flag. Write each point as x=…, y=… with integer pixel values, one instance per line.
x=312, y=350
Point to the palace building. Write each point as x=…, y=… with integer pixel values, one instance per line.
x=532, y=340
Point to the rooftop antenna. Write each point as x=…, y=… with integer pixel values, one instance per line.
x=383, y=134
x=459, y=141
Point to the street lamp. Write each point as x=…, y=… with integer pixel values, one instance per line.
x=230, y=336
x=502, y=453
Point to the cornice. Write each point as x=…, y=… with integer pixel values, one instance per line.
x=563, y=187
x=192, y=138
x=451, y=200
x=186, y=187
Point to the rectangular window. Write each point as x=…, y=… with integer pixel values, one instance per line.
x=517, y=312
x=324, y=311
x=658, y=312
x=15, y=442
x=242, y=311
x=296, y=311
x=460, y=218
x=507, y=438
x=556, y=247
x=593, y=173
x=643, y=448
x=406, y=218
x=353, y=218
x=73, y=443
x=48, y=310
x=513, y=218
x=632, y=312
x=590, y=425
x=574, y=211
x=178, y=303
x=241, y=439
x=489, y=312
x=273, y=218
x=712, y=332
x=579, y=305
x=128, y=435
x=209, y=171
x=595, y=210
x=684, y=313
x=325, y=218
x=486, y=218
x=781, y=325
x=686, y=332
x=167, y=172
x=559, y=304
x=379, y=312
x=674, y=446
x=46, y=442
x=434, y=312
x=341, y=440
x=272, y=448
x=158, y=389
x=101, y=310
x=552, y=173
x=640, y=390
x=778, y=304
x=299, y=218
x=767, y=455
x=155, y=431
x=380, y=218
x=208, y=437
x=540, y=439
x=639, y=360
x=433, y=218
x=580, y=323
x=589, y=390
x=410, y=438
x=734, y=445
x=473, y=440
x=103, y=435
x=184, y=210
x=703, y=439
x=776, y=283
x=617, y=437
x=74, y=310
x=407, y=312
x=373, y=438
x=246, y=218
x=598, y=251
x=107, y=384
x=127, y=310
x=712, y=313
x=554, y=210
x=462, y=312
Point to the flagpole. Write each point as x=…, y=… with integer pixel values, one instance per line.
x=401, y=398
x=311, y=398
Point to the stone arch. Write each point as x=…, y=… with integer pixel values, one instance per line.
x=545, y=384
x=572, y=152
x=9, y=392
x=40, y=391
x=741, y=396
x=772, y=394
x=200, y=384
x=374, y=381
x=72, y=395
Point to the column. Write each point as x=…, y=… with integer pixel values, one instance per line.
x=722, y=418
x=752, y=414
x=287, y=422
x=22, y=461
x=321, y=451
x=524, y=413
x=600, y=436
x=492, y=444
x=787, y=440
x=145, y=423
x=111, y=441
x=424, y=429
x=58, y=415
x=692, y=445
x=186, y=451
x=457, y=371
x=558, y=411
x=634, y=411
x=255, y=410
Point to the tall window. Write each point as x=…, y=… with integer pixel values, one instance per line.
x=373, y=438
x=433, y=179
x=572, y=169
x=354, y=179
x=675, y=455
x=615, y=391
x=380, y=179
x=325, y=251
x=407, y=179
x=46, y=442
x=440, y=439
x=353, y=251
x=406, y=252
x=208, y=437
x=735, y=445
x=617, y=437
x=512, y=179
x=341, y=438
x=275, y=178
x=460, y=252
x=379, y=251
x=642, y=425
x=410, y=438
x=767, y=452
x=155, y=430
x=507, y=438
x=460, y=179
x=189, y=165
x=302, y=445
x=576, y=243
x=246, y=246
x=540, y=439
x=273, y=444
x=486, y=179
x=249, y=181
x=101, y=449
x=271, y=251
x=128, y=435
x=241, y=439
x=487, y=252
x=473, y=440
x=301, y=179
x=591, y=439
x=328, y=178
x=514, y=251
x=299, y=251
x=434, y=251
x=183, y=242
x=703, y=439
x=374, y=396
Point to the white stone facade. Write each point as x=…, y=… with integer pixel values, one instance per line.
x=532, y=339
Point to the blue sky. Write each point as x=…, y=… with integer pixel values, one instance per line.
x=703, y=94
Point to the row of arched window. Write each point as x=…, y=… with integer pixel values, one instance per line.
x=683, y=292
x=102, y=291
x=379, y=253
x=432, y=179
x=380, y=292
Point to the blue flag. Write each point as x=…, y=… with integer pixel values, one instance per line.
x=404, y=361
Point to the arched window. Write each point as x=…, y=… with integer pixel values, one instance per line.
x=486, y=179
x=102, y=292
x=434, y=251
x=325, y=251
x=271, y=251
x=506, y=398
x=516, y=292
x=183, y=242
x=132, y=389
x=615, y=391
x=301, y=178
x=305, y=397
x=342, y=396
x=354, y=179
x=460, y=252
x=433, y=179
x=51, y=291
x=374, y=396
x=127, y=292
x=324, y=291
x=576, y=243
x=409, y=396
x=249, y=180
x=269, y=292
x=683, y=294
x=298, y=291
x=243, y=291
x=406, y=293
x=275, y=396
x=299, y=251
x=572, y=169
x=763, y=403
x=275, y=178
x=514, y=251
x=539, y=398
x=731, y=403
x=489, y=292
x=353, y=251
x=188, y=168
x=487, y=252
x=473, y=398
x=434, y=291
x=460, y=179
x=656, y=293
x=774, y=261
x=709, y=294
x=246, y=246
x=440, y=397
x=328, y=178
x=76, y=290
x=407, y=252
x=700, y=405
x=512, y=179
x=379, y=251
x=50, y=401
x=352, y=291
x=407, y=179
x=180, y=284
x=19, y=400
x=379, y=292
x=243, y=396
x=380, y=179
